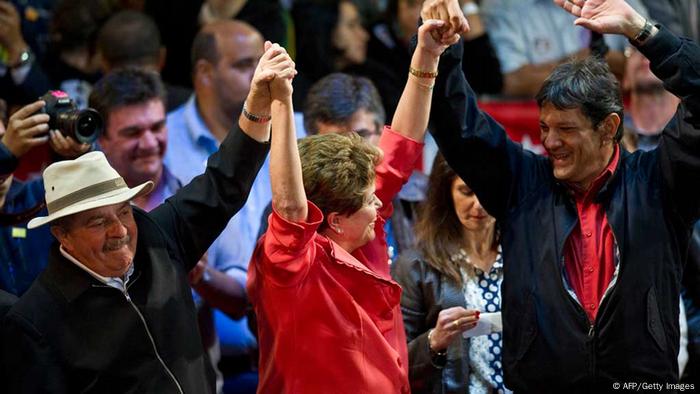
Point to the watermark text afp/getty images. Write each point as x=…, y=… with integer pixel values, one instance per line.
x=657, y=387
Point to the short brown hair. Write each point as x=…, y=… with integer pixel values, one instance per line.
x=123, y=87
x=337, y=169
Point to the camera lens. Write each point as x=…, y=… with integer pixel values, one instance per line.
x=85, y=126
x=88, y=126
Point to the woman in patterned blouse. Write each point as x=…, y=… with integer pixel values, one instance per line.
x=456, y=278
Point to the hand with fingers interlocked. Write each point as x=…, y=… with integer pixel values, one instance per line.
x=605, y=16
x=450, y=12
x=428, y=43
x=275, y=64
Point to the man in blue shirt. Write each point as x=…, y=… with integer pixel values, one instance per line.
x=224, y=57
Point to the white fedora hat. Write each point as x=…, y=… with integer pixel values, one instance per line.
x=85, y=183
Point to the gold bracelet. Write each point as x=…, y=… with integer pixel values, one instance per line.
x=430, y=349
x=255, y=118
x=417, y=82
x=422, y=74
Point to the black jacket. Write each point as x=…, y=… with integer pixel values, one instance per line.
x=426, y=291
x=651, y=202
x=72, y=334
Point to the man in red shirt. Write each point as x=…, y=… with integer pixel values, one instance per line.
x=594, y=238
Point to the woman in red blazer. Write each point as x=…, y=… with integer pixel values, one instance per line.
x=329, y=317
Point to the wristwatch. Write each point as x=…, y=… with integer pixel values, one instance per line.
x=643, y=34
x=25, y=57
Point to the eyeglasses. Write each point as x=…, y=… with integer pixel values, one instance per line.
x=367, y=133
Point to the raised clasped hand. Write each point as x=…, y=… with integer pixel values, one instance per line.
x=451, y=14
x=428, y=43
x=274, y=72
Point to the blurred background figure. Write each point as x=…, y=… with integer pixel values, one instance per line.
x=131, y=39
x=456, y=275
x=180, y=20
x=680, y=16
x=335, y=41
x=341, y=102
x=532, y=37
x=71, y=63
x=225, y=54
x=650, y=105
x=67, y=61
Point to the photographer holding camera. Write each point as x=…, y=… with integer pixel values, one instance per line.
x=23, y=254
x=28, y=127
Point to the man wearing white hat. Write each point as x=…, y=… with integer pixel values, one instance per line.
x=113, y=312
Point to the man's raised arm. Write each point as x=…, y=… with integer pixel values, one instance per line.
x=474, y=144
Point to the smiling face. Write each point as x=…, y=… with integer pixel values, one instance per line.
x=103, y=239
x=468, y=208
x=577, y=151
x=357, y=228
x=135, y=141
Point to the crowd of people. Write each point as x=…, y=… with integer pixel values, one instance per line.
x=304, y=196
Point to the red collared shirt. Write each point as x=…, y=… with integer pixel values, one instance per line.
x=330, y=321
x=589, y=252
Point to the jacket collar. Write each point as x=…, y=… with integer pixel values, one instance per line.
x=343, y=257
x=72, y=281
x=614, y=179
x=613, y=169
x=66, y=277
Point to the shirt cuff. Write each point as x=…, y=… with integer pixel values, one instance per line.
x=294, y=236
x=400, y=152
x=662, y=45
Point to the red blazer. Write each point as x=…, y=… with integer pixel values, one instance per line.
x=330, y=321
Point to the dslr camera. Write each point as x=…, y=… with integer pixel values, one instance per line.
x=84, y=125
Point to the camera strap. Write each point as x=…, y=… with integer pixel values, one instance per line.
x=11, y=219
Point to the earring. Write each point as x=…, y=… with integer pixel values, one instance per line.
x=338, y=230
